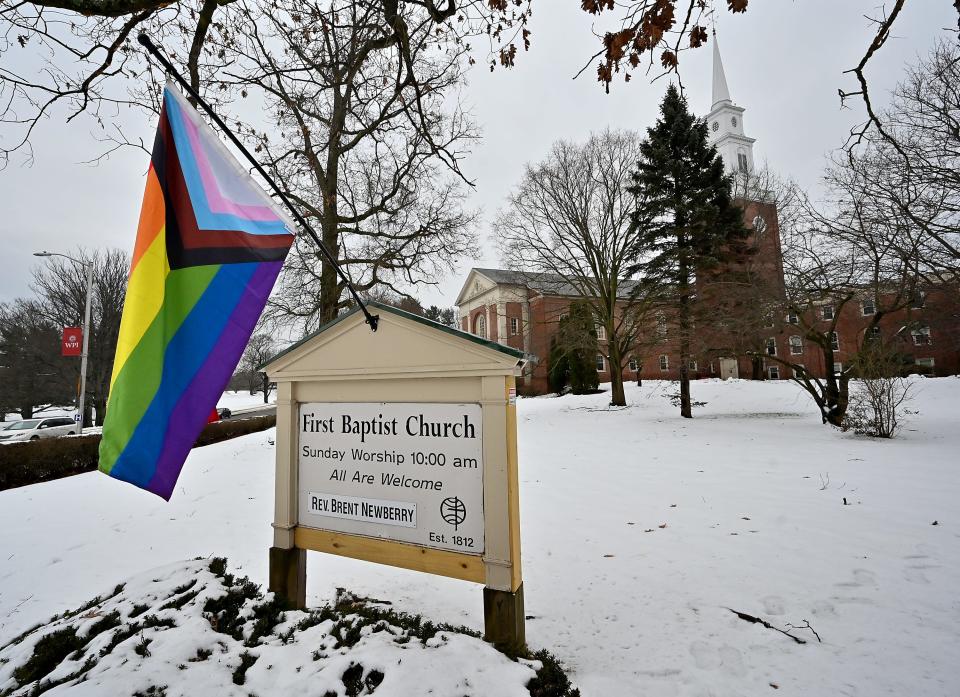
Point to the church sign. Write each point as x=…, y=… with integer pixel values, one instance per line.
x=406, y=472
x=399, y=447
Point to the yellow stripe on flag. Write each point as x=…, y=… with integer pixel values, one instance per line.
x=145, y=295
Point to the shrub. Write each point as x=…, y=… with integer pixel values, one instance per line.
x=573, y=355
x=52, y=458
x=878, y=398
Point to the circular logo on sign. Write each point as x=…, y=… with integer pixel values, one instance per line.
x=453, y=511
x=72, y=337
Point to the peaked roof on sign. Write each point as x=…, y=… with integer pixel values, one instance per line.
x=721, y=92
x=381, y=307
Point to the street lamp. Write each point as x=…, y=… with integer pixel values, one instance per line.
x=86, y=325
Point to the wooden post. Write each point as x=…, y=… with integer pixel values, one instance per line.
x=288, y=575
x=503, y=620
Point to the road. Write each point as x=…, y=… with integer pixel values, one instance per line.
x=262, y=410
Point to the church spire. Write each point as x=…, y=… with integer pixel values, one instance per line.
x=725, y=122
x=720, y=91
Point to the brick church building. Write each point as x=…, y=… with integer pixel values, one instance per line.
x=522, y=310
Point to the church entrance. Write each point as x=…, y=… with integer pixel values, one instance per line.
x=728, y=368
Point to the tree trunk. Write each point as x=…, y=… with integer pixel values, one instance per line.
x=100, y=407
x=266, y=388
x=756, y=364
x=617, y=396
x=26, y=411
x=684, y=278
x=685, y=410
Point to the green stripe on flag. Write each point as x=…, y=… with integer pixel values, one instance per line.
x=140, y=377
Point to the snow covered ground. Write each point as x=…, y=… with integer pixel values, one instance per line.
x=640, y=530
x=242, y=399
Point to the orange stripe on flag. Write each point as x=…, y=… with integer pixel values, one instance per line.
x=152, y=217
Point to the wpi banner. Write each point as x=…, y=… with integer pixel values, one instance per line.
x=72, y=341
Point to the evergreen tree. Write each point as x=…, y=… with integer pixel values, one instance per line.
x=573, y=356
x=685, y=215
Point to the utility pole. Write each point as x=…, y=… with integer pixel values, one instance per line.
x=86, y=329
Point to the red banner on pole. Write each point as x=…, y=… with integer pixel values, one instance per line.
x=72, y=341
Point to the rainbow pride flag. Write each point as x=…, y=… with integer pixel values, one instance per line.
x=210, y=244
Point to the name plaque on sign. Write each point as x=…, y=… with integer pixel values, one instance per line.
x=398, y=471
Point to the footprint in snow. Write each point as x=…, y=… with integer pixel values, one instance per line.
x=773, y=605
x=725, y=658
x=861, y=577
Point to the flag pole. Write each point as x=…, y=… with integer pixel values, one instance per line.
x=154, y=51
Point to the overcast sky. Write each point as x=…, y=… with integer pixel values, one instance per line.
x=784, y=62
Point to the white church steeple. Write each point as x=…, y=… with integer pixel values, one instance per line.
x=725, y=122
x=721, y=93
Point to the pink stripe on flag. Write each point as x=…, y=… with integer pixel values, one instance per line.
x=216, y=201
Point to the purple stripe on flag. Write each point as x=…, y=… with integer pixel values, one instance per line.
x=192, y=410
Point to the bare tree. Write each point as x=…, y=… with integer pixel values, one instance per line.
x=33, y=375
x=570, y=216
x=860, y=258
x=366, y=142
x=914, y=165
x=73, y=57
x=879, y=397
x=60, y=287
x=260, y=349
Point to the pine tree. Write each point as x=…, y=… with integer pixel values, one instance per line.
x=685, y=215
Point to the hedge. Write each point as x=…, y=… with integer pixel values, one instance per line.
x=52, y=458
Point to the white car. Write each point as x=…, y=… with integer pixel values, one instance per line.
x=35, y=429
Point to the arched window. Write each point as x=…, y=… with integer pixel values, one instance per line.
x=480, y=326
x=742, y=163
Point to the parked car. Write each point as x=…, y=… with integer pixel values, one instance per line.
x=35, y=429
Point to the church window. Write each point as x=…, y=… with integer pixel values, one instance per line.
x=733, y=121
x=716, y=126
x=759, y=226
x=742, y=161
x=661, y=326
x=480, y=326
x=921, y=336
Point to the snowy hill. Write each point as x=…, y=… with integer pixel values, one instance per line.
x=641, y=531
